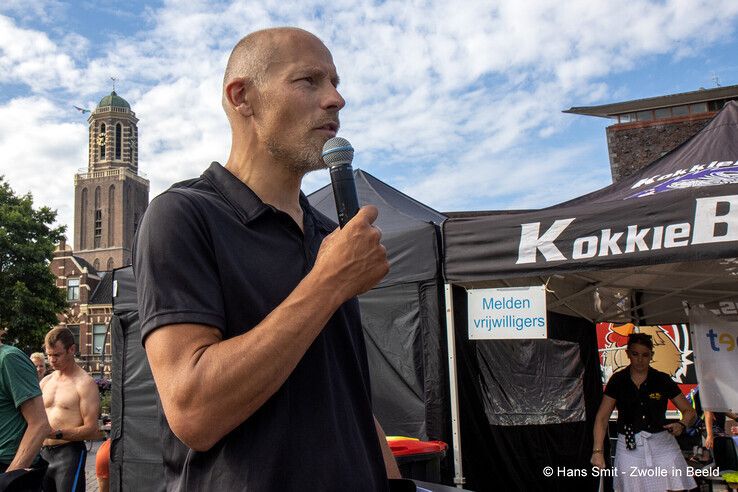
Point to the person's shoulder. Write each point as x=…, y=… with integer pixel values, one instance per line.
x=14, y=355
x=46, y=379
x=659, y=375
x=83, y=382
x=619, y=375
x=83, y=377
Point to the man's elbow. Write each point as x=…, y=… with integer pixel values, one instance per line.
x=195, y=430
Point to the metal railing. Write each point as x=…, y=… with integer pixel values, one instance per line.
x=119, y=172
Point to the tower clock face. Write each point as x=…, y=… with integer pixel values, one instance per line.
x=101, y=139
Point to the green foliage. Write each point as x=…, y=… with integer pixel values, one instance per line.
x=29, y=298
x=105, y=403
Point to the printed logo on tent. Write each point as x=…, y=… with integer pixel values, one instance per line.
x=698, y=176
x=672, y=351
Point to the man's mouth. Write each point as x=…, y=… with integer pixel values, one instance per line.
x=330, y=126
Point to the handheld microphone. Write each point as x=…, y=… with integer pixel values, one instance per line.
x=337, y=155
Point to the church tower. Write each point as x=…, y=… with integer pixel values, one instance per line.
x=110, y=198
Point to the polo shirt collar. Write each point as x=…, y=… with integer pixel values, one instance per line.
x=243, y=199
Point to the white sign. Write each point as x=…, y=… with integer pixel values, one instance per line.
x=715, y=344
x=515, y=312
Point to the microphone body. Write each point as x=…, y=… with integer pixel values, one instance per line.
x=344, y=191
x=338, y=154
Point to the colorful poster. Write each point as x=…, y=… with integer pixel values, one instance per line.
x=672, y=352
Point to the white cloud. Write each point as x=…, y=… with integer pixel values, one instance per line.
x=40, y=153
x=441, y=96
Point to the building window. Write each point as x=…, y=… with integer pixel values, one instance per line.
x=716, y=105
x=663, y=113
x=98, y=339
x=101, y=141
x=644, y=115
x=83, y=221
x=75, y=333
x=72, y=289
x=96, y=264
x=98, y=220
x=111, y=215
x=680, y=110
x=626, y=118
x=117, y=140
x=98, y=228
x=111, y=264
x=698, y=108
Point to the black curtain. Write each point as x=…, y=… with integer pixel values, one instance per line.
x=497, y=457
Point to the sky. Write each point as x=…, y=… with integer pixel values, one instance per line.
x=457, y=104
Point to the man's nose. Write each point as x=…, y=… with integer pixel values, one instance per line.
x=333, y=99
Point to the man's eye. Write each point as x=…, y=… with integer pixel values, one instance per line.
x=310, y=80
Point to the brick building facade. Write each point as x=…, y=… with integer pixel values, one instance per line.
x=646, y=129
x=110, y=199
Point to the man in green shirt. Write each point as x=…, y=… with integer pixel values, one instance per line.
x=23, y=422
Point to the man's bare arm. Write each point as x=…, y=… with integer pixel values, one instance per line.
x=38, y=427
x=208, y=386
x=89, y=409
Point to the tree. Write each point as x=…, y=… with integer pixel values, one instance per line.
x=29, y=297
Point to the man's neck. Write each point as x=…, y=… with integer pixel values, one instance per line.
x=272, y=182
x=68, y=371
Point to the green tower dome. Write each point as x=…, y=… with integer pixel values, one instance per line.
x=115, y=100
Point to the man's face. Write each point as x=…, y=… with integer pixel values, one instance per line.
x=296, y=111
x=40, y=367
x=59, y=357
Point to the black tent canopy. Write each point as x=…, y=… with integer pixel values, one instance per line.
x=631, y=251
x=401, y=317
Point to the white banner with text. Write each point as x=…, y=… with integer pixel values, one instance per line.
x=507, y=313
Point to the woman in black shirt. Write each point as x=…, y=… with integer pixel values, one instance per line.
x=647, y=455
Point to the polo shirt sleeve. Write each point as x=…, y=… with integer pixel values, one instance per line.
x=175, y=266
x=613, y=386
x=671, y=389
x=19, y=377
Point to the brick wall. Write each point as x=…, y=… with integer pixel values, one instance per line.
x=634, y=145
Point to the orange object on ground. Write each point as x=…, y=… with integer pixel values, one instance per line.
x=419, y=460
x=102, y=460
x=407, y=447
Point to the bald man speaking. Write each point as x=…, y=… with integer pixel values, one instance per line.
x=247, y=295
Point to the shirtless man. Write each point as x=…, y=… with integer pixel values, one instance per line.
x=72, y=404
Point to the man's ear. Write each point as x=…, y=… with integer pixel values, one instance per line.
x=237, y=93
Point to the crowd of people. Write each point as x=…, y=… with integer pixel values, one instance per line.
x=249, y=318
x=46, y=417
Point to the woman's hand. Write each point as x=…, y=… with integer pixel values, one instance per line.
x=675, y=429
x=598, y=459
x=708, y=441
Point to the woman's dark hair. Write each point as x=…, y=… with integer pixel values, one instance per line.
x=640, y=339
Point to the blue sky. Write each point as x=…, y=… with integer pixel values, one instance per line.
x=456, y=104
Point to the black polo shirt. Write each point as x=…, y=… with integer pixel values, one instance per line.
x=643, y=408
x=209, y=251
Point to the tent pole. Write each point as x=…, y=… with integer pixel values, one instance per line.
x=453, y=386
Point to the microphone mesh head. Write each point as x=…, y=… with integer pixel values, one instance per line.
x=337, y=151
